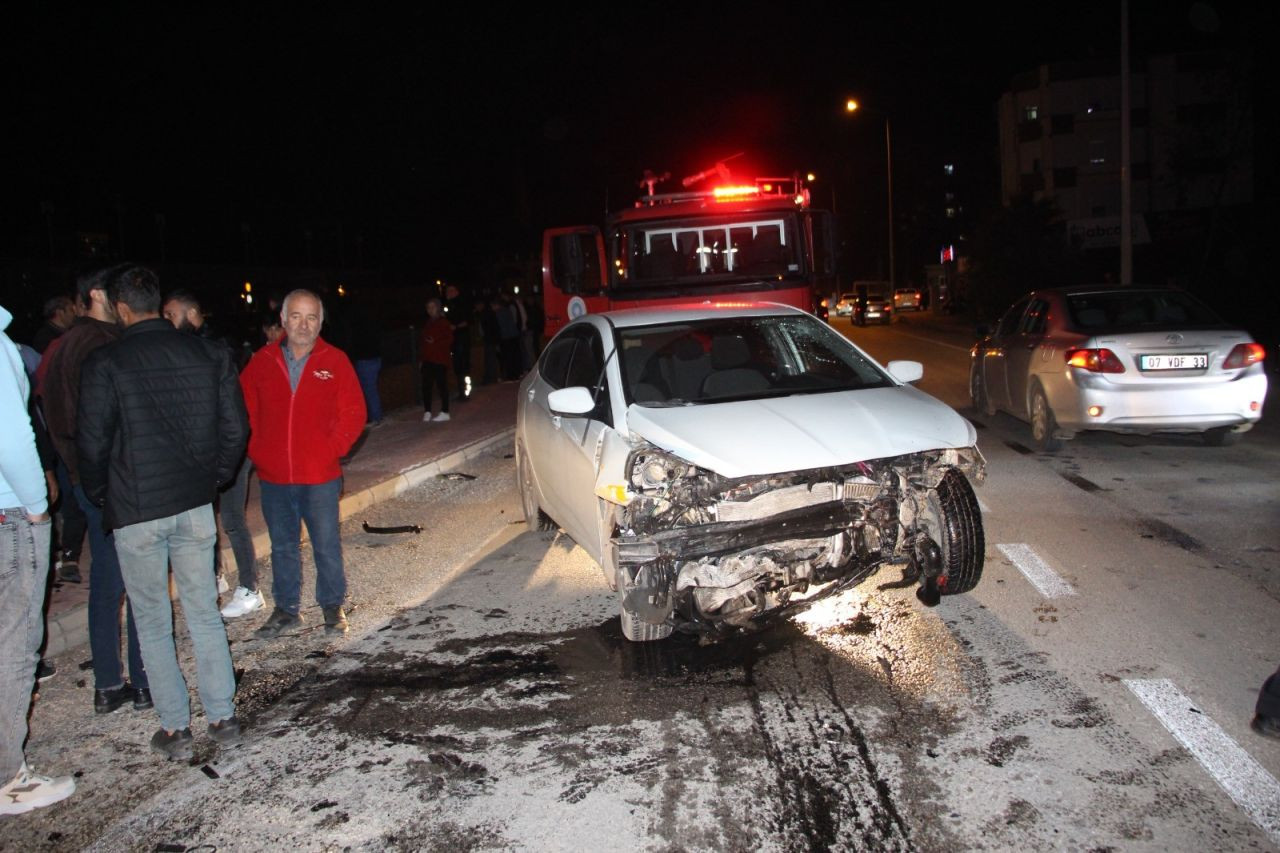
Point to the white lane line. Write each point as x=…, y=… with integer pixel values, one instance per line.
x=936, y=342
x=982, y=506
x=1043, y=578
x=1245, y=780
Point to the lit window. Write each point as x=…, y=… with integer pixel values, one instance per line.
x=951, y=213
x=1031, y=113
x=949, y=169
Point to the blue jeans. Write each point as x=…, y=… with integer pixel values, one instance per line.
x=285, y=507
x=367, y=370
x=106, y=591
x=231, y=506
x=147, y=549
x=24, y=570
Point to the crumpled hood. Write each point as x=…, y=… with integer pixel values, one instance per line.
x=756, y=437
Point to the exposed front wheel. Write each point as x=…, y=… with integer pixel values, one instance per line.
x=957, y=524
x=1043, y=424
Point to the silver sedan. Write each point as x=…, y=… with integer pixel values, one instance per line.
x=1135, y=359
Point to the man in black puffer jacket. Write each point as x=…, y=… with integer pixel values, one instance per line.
x=161, y=425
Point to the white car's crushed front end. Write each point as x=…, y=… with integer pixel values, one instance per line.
x=703, y=551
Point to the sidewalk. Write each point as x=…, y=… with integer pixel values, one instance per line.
x=386, y=461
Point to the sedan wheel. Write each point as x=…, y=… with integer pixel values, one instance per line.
x=534, y=517
x=1043, y=423
x=978, y=394
x=957, y=526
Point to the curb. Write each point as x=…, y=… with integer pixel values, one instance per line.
x=70, y=628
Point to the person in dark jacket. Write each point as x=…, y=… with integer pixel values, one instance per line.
x=162, y=424
x=60, y=395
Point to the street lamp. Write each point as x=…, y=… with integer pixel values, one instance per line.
x=851, y=106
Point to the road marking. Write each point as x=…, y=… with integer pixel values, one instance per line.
x=936, y=342
x=1245, y=780
x=1043, y=578
x=982, y=507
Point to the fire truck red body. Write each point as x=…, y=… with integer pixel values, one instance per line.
x=743, y=241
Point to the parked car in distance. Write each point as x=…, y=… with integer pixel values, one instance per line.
x=1134, y=359
x=725, y=465
x=873, y=301
x=906, y=298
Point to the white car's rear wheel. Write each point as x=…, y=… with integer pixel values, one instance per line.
x=1043, y=424
x=534, y=517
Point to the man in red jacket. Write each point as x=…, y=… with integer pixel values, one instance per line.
x=305, y=411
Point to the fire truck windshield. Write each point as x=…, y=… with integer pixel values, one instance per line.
x=758, y=246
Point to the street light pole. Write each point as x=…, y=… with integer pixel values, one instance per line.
x=851, y=105
x=888, y=159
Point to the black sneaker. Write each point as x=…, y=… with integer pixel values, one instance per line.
x=106, y=701
x=279, y=622
x=45, y=670
x=176, y=746
x=335, y=620
x=226, y=732
x=142, y=699
x=1266, y=726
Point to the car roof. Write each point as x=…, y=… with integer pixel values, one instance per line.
x=628, y=317
x=1104, y=287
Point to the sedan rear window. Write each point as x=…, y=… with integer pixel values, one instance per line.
x=1099, y=313
x=739, y=358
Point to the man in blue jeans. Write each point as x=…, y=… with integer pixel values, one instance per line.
x=306, y=410
x=60, y=394
x=162, y=424
x=24, y=568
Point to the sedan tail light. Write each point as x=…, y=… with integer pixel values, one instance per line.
x=1244, y=355
x=1095, y=360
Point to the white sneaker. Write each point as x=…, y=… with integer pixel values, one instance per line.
x=242, y=603
x=28, y=791
x=440, y=418
x=222, y=584
x=426, y=417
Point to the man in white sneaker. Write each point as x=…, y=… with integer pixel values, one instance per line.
x=25, y=526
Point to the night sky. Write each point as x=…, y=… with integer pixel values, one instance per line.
x=432, y=140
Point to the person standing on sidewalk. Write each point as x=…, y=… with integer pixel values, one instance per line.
x=162, y=425
x=182, y=309
x=60, y=397
x=435, y=353
x=25, y=528
x=306, y=410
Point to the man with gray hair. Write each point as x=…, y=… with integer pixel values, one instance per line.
x=306, y=410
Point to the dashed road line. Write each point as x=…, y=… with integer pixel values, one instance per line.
x=1244, y=779
x=1046, y=580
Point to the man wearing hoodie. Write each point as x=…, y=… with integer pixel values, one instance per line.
x=25, y=527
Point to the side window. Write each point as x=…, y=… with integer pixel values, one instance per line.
x=553, y=367
x=586, y=368
x=1009, y=322
x=1036, y=316
x=575, y=262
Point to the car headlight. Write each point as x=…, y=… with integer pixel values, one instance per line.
x=650, y=468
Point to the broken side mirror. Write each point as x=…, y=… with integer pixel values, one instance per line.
x=906, y=371
x=575, y=401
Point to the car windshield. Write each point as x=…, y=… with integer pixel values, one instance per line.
x=1130, y=310
x=739, y=358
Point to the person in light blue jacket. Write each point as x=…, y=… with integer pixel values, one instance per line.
x=24, y=569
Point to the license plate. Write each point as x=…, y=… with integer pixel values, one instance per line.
x=1181, y=361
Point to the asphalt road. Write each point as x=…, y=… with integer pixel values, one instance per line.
x=486, y=699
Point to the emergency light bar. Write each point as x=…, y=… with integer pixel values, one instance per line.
x=735, y=192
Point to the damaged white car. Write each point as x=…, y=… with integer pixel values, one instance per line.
x=725, y=464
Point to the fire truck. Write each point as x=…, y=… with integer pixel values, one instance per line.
x=735, y=240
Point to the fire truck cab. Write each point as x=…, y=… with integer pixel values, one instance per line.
x=741, y=241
